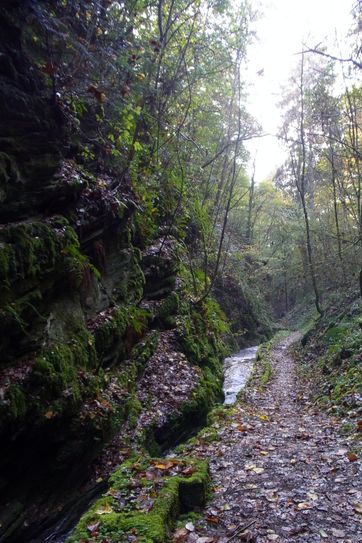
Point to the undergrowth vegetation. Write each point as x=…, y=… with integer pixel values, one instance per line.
x=332, y=356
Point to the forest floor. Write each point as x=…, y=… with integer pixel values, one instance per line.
x=281, y=470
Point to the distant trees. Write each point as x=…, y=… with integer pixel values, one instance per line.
x=323, y=174
x=153, y=94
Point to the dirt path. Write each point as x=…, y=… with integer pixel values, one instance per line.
x=281, y=464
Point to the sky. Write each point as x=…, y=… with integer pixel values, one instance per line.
x=281, y=30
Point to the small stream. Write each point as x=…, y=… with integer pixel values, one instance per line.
x=237, y=370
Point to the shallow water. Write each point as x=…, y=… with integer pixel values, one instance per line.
x=237, y=370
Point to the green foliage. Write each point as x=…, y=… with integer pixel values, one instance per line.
x=174, y=494
x=32, y=250
x=337, y=369
x=133, y=409
x=265, y=368
x=17, y=402
x=115, y=325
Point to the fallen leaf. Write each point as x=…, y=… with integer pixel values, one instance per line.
x=338, y=533
x=312, y=496
x=213, y=519
x=190, y=470
x=190, y=527
x=357, y=507
x=272, y=496
x=242, y=428
x=49, y=415
x=180, y=535
x=272, y=537
x=352, y=457
x=93, y=528
x=105, y=509
x=323, y=534
x=164, y=465
x=304, y=505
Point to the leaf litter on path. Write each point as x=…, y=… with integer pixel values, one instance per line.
x=281, y=465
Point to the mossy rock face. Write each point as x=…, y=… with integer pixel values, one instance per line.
x=31, y=251
x=167, y=312
x=53, y=387
x=117, y=330
x=144, y=500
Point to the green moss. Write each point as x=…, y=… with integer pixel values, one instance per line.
x=168, y=309
x=55, y=372
x=133, y=409
x=176, y=492
x=266, y=373
x=113, y=329
x=17, y=402
x=145, y=349
x=130, y=290
x=35, y=249
x=338, y=371
x=200, y=331
x=7, y=261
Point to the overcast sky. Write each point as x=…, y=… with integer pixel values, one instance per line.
x=284, y=26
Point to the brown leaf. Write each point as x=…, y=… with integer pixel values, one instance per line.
x=190, y=470
x=213, y=519
x=49, y=414
x=180, y=535
x=49, y=68
x=242, y=428
x=125, y=90
x=98, y=94
x=352, y=457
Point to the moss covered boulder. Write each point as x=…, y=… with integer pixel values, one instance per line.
x=144, y=500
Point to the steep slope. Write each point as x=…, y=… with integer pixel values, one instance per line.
x=100, y=339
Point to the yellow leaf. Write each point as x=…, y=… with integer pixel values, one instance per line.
x=104, y=510
x=165, y=465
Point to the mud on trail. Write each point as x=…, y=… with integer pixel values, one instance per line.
x=280, y=469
